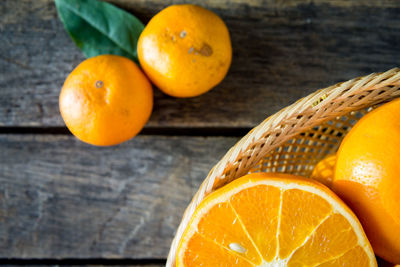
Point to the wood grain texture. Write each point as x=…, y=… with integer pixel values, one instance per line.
x=283, y=50
x=61, y=198
x=66, y=263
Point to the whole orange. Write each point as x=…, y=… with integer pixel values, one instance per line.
x=185, y=50
x=324, y=170
x=367, y=177
x=106, y=100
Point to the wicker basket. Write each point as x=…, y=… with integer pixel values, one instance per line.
x=297, y=137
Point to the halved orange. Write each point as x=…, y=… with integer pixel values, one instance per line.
x=274, y=220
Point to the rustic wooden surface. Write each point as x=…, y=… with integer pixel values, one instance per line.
x=282, y=51
x=61, y=198
x=65, y=202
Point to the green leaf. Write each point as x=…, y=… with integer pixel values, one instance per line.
x=100, y=28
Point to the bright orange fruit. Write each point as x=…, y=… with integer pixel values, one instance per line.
x=274, y=220
x=367, y=177
x=185, y=50
x=324, y=170
x=106, y=100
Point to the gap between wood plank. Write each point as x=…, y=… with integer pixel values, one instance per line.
x=77, y=261
x=165, y=131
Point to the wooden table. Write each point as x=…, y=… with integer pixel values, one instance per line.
x=65, y=202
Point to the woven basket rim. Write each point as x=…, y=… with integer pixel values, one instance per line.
x=307, y=112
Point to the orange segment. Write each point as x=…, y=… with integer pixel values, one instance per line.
x=214, y=224
x=326, y=242
x=274, y=220
x=204, y=250
x=300, y=220
x=261, y=228
x=346, y=260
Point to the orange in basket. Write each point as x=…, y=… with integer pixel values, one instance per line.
x=294, y=139
x=274, y=220
x=324, y=170
x=367, y=177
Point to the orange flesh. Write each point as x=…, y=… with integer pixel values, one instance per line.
x=264, y=223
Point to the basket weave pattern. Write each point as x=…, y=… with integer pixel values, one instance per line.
x=294, y=139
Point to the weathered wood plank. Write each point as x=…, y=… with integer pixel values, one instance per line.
x=283, y=50
x=61, y=198
x=66, y=264
x=87, y=265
